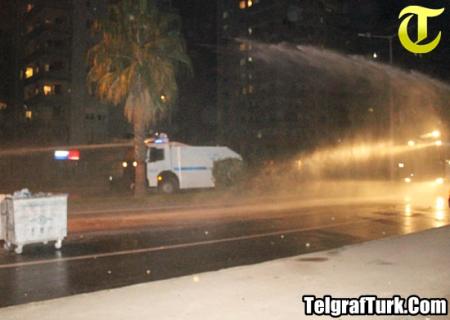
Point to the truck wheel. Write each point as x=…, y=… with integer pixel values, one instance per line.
x=168, y=186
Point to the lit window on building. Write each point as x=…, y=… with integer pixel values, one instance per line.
x=225, y=15
x=243, y=46
x=48, y=90
x=251, y=89
x=3, y=106
x=249, y=3
x=47, y=67
x=29, y=7
x=250, y=59
x=244, y=91
x=29, y=72
x=250, y=31
x=242, y=62
x=29, y=114
x=242, y=4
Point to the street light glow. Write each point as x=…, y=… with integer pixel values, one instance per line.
x=411, y=143
x=438, y=143
x=436, y=134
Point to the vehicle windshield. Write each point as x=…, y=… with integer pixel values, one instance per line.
x=156, y=154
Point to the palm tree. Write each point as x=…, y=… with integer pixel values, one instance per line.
x=136, y=63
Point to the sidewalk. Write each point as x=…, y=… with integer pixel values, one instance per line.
x=415, y=264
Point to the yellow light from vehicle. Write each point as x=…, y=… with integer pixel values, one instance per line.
x=408, y=180
x=159, y=178
x=440, y=203
x=124, y=164
x=401, y=165
x=135, y=164
x=436, y=134
x=439, y=180
x=411, y=143
x=408, y=210
x=438, y=143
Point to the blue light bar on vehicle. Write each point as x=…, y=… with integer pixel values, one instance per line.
x=61, y=155
x=67, y=155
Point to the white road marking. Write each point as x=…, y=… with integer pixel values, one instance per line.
x=175, y=246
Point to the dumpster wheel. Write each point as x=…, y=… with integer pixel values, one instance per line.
x=18, y=249
x=58, y=244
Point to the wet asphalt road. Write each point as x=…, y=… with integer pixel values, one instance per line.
x=130, y=254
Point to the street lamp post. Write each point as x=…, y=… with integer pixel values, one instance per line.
x=390, y=39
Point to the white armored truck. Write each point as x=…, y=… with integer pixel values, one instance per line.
x=173, y=165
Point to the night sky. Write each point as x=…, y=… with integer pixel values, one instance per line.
x=377, y=17
x=200, y=30
x=381, y=17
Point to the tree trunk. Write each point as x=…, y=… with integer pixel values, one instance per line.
x=139, y=154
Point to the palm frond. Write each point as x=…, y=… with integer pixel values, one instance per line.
x=137, y=59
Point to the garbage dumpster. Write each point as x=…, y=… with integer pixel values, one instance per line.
x=36, y=218
x=2, y=217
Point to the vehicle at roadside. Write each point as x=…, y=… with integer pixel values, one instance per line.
x=172, y=166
